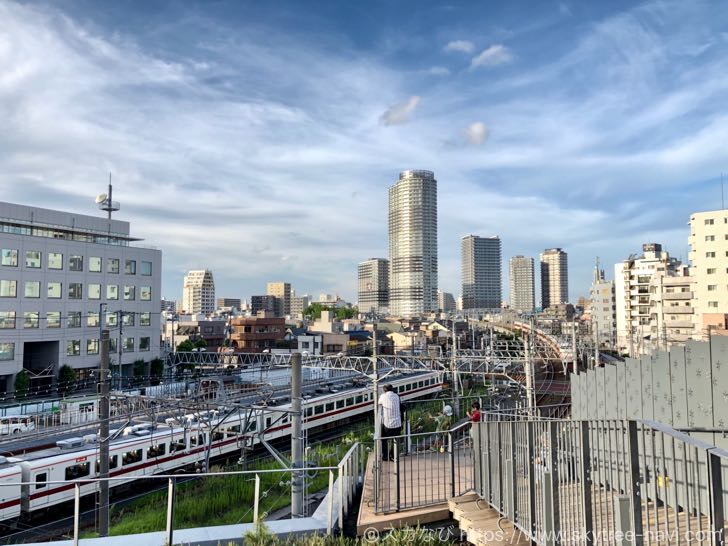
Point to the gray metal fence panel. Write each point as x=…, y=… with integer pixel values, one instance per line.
x=678, y=387
x=601, y=404
x=621, y=391
x=662, y=392
x=645, y=365
x=634, y=389
x=700, y=389
x=719, y=360
x=610, y=389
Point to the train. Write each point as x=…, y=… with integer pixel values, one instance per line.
x=39, y=480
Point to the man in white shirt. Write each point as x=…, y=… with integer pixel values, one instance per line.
x=390, y=412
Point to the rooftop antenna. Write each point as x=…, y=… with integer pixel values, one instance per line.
x=103, y=200
x=722, y=202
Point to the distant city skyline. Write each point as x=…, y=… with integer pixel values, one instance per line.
x=258, y=140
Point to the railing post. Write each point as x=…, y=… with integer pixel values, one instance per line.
x=554, y=458
x=717, y=523
x=477, y=460
x=531, y=479
x=396, y=475
x=511, y=473
x=585, y=482
x=330, y=518
x=76, y=512
x=451, y=453
x=633, y=490
x=341, y=497
x=256, y=500
x=170, y=512
x=547, y=501
x=624, y=535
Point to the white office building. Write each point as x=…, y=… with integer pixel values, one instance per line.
x=522, y=284
x=198, y=292
x=554, y=277
x=413, y=244
x=64, y=277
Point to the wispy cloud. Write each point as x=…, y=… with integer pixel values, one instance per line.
x=463, y=46
x=438, y=71
x=398, y=114
x=493, y=56
x=476, y=133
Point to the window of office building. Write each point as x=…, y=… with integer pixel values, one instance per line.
x=73, y=347
x=712, y=287
x=92, y=346
x=710, y=254
x=55, y=260
x=94, y=264
x=145, y=319
x=710, y=271
x=53, y=319
x=713, y=304
x=55, y=290
x=127, y=319
x=7, y=351
x=112, y=265
x=92, y=318
x=94, y=291
x=128, y=345
x=31, y=319
x=112, y=319
x=10, y=257
x=7, y=320
x=73, y=320
x=709, y=221
x=130, y=267
x=112, y=292
x=147, y=269
x=145, y=293
x=32, y=259
x=113, y=345
x=144, y=343
x=129, y=292
x=75, y=291
x=75, y=263
x=8, y=289
x=32, y=289
x=710, y=237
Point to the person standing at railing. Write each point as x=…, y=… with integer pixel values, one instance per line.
x=473, y=416
x=390, y=407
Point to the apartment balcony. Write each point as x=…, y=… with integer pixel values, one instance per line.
x=677, y=296
x=678, y=324
x=682, y=310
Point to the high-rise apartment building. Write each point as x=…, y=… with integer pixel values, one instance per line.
x=198, y=292
x=445, y=302
x=282, y=292
x=554, y=277
x=268, y=304
x=413, y=244
x=632, y=292
x=229, y=303
x=522, y=284
x=481, y=272
x=373, y=275
x=603, y=309
x=65, y=276
x=709, y=270
x=299, y=305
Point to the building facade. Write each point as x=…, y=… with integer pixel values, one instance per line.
x=554, y=277
x=672, y=318
x=229, y=303
x=709, y=270
x=63, y=278
x=632, y=279
x=257, y=334
x=198, y=292
x=373, y=277
x=603, y=309
x=299, y=305
x=263, y=303
x=522, y=284
x=481, y=272
x=413, y=244
x=282, y=292
x=445, y=302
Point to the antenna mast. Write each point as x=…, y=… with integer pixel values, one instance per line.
x=105, y=202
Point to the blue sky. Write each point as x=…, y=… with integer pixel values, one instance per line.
x=259, y=138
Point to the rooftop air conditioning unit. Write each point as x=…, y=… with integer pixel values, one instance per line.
x=70, y=443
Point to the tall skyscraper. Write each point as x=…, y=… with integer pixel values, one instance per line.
x=198, y=292
x=554, y=277
x=373, y=285
x=282, y=292
x=445, y=302
x=522, y=284
x=413, y=244
x=481, y=272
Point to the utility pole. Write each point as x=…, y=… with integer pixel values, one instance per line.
x=595, y=327
x=573, y=347
x=120, y=348
x=297, y=504
x=104, y=435
x=528, y=365
x=377, y=428
x=453, y=371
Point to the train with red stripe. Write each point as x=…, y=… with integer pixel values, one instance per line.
x=43, y=479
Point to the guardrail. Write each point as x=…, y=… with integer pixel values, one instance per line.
x=602, y=482
x=343, y=481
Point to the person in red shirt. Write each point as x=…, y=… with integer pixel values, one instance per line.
x=475, y=415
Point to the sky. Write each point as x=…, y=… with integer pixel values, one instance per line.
x=258, y=139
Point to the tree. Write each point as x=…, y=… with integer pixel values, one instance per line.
x=200, y=344
x=66, y=379
x=186, y=346
x=22, y=384
x=139, y=367
x=156, y=370
x=341, y=313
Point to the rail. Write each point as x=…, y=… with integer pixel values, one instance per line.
x=602, y=482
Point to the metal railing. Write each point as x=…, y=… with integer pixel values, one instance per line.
x=426, y=469
x=343, y=481
x=602, y=482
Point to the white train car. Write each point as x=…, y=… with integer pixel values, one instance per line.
x=50, y=476
x=10, y=478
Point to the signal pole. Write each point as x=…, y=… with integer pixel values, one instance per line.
x=104, y=435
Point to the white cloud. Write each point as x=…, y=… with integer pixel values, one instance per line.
x=463, y=46
x=493, y=56
x=476, y=133
x=398, y=114
x=438, y=71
